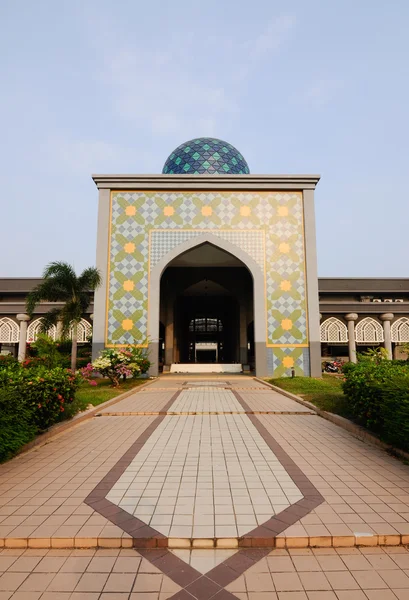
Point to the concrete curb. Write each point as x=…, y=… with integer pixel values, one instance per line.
x=356, y=430
x=281, y=541
x=79, y=418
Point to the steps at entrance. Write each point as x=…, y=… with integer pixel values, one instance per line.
x=206, y=368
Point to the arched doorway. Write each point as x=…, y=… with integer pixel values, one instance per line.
x=208, y=296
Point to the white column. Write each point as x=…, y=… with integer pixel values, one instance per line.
x=386, y=319
x=22, y=343
x=351, y=318
x=58, y=334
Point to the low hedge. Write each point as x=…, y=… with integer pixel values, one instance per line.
x=16, y=423
x=32, y=398
x=378, y=397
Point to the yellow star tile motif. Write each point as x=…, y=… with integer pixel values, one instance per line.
x=207, y=211
x=286, y=324
x=288, y=361
x=127, y=324
x=282, y=211
x=130, y=211
x=245, y=211
x=284, y=248
x=128, y=285
x=168, y=211
x=129, y=247
x=285, y=285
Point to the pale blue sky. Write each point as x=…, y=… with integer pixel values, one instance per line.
x=104, y=86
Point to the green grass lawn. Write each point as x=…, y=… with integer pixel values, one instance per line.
x=89, y=394
x=325, y=393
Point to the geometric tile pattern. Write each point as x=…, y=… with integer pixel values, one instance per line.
x=205, y=155
x=162, y=241
x=266, y=225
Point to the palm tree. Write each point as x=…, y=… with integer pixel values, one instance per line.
x=61, y=284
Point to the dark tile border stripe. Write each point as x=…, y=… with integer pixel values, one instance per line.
x=147, y=536
x=262, y=535
x=254, y=546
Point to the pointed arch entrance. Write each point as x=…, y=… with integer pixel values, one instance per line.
x=206, y=304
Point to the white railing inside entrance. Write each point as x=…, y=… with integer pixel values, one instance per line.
x=206, y=368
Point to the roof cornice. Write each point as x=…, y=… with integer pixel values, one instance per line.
x=206, y=182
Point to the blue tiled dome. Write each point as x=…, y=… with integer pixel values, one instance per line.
x=205, y=155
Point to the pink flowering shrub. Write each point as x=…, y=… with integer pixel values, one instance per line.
x=117, y=365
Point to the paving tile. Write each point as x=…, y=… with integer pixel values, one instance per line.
x=84, y=596
x=127, y=564
x=36, y=582
x=356, y=562
x=331, y=563
x=280, y=564
x=395, y=579
x=259, y=582
x=64, y=582
x=27, y=596
x=56, y=596
x=320, y=595
x=147, y=583
x=313, y=581
x=380, y=595
x=261, y=596
x=50, y=564
x=287, y=582
x=11, y=581
x=306, y=563
x=341, y=580
x=369, y=580
x=89, y=582
x=120, y=582
x=75, y=564
x=101, y=564
x=25, y=564
x=292, y=596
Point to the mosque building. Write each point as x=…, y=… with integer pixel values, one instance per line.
x=207, y=264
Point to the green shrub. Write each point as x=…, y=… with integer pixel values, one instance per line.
x=395, y=411
x=44, y=391
x=16, y=423
x=46, y=349
x=7, y=361
x=378, y=398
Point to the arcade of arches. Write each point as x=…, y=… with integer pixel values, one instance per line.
x=206, y=309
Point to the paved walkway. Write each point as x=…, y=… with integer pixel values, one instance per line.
x=309, y=574
x=203, y=476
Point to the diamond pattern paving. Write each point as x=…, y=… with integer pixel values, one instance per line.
x=205, y=476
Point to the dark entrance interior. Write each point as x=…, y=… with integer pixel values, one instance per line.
x=206, y=309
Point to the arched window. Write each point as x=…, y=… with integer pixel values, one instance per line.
x=84, y=331
x=35, y=328
x=369, y=331
x=333, y=331
x=400, y=330
x=9, y=331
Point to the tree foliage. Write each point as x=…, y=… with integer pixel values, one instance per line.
x=61, y=284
